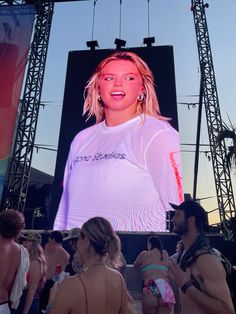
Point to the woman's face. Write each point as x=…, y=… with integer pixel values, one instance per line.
x=82, y=246
x=120, y=84
x=27, y=244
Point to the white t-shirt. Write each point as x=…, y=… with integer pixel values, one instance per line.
x=127, y=173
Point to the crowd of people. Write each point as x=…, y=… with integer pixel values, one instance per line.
x=33, y=278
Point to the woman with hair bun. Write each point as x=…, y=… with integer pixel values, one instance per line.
x=98, y=289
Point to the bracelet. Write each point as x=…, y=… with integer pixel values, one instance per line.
x=186, y=286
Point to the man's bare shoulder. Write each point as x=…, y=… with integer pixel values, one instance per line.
x=210, y=264
x=51, y=249
x=62, y=254
x=213, y=275
x=65, y=253
x=8, y=242
x=9, y=249
x=9, y=263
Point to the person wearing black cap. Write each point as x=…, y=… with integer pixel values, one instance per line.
x=74, y=265
x=198, y=272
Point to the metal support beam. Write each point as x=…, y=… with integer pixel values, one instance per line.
x=221, y=169
x=18, y=178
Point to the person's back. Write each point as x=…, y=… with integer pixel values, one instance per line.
x=100, y=291
x=9, y=263
x=55, y=254
x=155, y=264
x=13, y=261
x=57, y=259
x=158, y=296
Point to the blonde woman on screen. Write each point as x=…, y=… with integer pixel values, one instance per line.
x=126, y=167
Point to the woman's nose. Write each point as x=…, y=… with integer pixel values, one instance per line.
x=117, y=81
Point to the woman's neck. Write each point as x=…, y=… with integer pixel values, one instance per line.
x=96, y=260
x=115, y=118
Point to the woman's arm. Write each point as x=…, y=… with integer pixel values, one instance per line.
x=60, y=222
x=139, y=260
x=65, y=295
x=163, y=161
x=126, y=299
x=34, y=278
x=166, y=258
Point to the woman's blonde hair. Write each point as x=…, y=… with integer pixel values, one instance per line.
x=36, y=253
x=102, y=237
x=148, y=105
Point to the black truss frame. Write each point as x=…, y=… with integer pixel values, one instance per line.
x=221, y=169
x=19, y=172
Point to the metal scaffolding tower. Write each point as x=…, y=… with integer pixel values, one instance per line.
x=18, y=177
x=221, y=169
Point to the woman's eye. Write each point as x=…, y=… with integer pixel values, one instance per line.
x=108, y=78
x=129, y=78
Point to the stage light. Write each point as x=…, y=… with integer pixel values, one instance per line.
x=119, y=43
x=92, y=44
x=148, y=41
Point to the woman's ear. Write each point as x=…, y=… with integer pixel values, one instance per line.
x=143, y=90
x=86, y=243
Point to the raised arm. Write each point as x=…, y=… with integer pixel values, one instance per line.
x=139, y=260
x=214, y=280
x=216, y=297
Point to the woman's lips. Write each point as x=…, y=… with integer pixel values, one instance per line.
x=117, y=95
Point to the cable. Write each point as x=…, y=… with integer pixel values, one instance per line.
x=120, y=19
x=191, y=144
x=148, y=18
x=38, y=147
x=193, y=151
x=94, y=8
